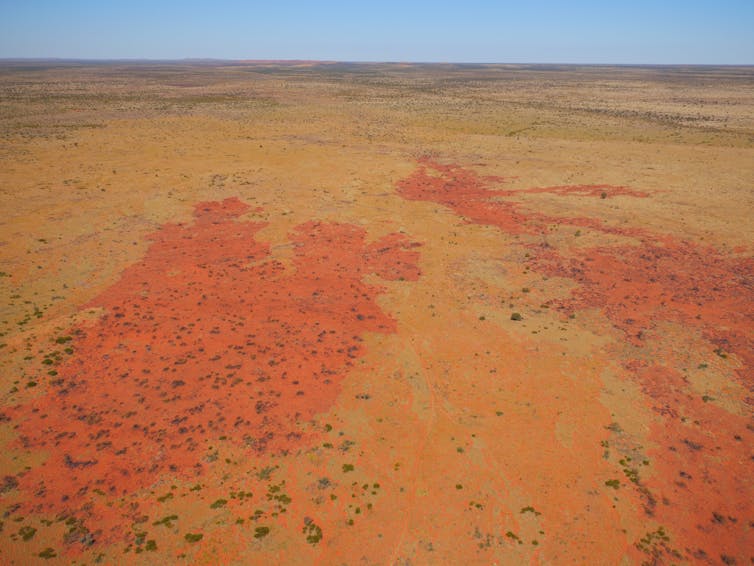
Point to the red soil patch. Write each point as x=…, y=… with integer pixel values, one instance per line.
x=635, y=286
x=466, y=193
x=707, y=505
x=205, y=336
x=469, y=195
x=702, y=464
x=700, y=486
x=665, y=279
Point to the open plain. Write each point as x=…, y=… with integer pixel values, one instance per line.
x=294, y=312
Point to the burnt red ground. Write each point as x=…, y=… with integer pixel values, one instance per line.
x=702, y=461
x=206, y=337
x=663, y=279
x=209, y=338
x=560, y=374
x=471, y=196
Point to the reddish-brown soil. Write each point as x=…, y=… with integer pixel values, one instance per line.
x=470, y=195
x=242, y=323
x=702, y=463
x=205, y=337
x=665, y=279
x=702, y=460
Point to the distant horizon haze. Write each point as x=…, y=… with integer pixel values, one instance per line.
x=241, y=61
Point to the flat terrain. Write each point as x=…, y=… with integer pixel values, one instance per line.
x=333, y=313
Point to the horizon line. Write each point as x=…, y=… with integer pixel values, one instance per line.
x=344, y=61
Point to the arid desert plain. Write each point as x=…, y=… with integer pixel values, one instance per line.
x=323, y=313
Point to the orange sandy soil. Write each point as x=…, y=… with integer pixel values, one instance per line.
x=383, y=314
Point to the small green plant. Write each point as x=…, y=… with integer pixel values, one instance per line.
x=651, y=538
x=283, y=498
x=312, y=531
x=167, y=521
x=193, y=537
x=516, y=316
x=261, y=532
x=632, y=474
x=615, y=484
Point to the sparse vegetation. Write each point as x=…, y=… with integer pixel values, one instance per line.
x=312, y=531
x=204, y=263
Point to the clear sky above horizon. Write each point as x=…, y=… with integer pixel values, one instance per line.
x=535, y=31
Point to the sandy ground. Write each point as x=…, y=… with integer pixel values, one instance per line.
x=404, y=314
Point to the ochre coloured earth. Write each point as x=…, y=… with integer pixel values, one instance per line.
x=702, y=455
x=207, y=336
x=221, y=342
x=210, y=337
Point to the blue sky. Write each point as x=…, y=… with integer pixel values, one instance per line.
x=579, y=31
